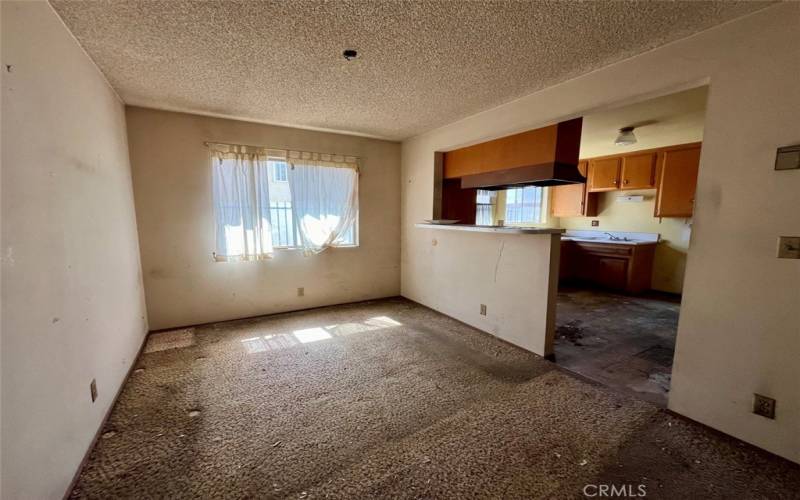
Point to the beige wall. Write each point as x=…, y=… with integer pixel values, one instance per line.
x=668, y=120
x=739, y=329
x=465, y=269
x=72, y=301
x=172, y=186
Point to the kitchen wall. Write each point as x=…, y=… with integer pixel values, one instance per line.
x=72, y=301
x=670, y=258
x=738, y=331
x=172, y=187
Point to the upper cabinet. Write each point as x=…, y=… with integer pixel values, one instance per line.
x=631, y=171
x=574, y=200
x=639, y=171
x=671, y=170
x=677, y=180
x=604, y=174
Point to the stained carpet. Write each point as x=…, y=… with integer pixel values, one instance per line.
x=390, y=399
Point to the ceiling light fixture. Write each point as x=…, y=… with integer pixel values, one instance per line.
x=350, y=54
x=625, y=137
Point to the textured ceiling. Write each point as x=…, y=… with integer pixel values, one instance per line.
x=672, y=119
x=422, y=63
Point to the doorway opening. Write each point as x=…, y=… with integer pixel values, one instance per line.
x=624, y=252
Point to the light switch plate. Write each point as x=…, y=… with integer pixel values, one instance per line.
x=93, y=390
x=789, y=247
x=483, y=309
x=788, y=158
x=764, y=406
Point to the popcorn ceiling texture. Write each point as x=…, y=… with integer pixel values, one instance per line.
x=422, y=64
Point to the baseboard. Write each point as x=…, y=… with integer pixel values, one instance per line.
x=103, y=422
x=266, y=315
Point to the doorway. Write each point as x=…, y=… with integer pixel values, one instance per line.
x=627, y=239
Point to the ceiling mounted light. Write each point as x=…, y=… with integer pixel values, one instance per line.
x=625, y=137
x=350, y=54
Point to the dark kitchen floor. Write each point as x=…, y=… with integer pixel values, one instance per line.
x=624, y=342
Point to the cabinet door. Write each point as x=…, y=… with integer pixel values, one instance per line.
x=638, y=171
x=677, y=181
x=573, y=200
x=610, y=272
x=568, y=200
x=604, y=174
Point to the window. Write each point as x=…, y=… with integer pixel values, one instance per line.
x=485, y=206
x=525, y=205
x=280, y=172
x=264, y=201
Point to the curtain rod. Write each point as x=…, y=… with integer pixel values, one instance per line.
x=212, y=143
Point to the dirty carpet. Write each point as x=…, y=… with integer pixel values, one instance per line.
x=388, y=399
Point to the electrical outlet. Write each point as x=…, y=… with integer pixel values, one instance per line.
x=301, y=292
x=93, y=390
x=789, y=247
x=595, y=223
x=483, y=309
x=764, y=406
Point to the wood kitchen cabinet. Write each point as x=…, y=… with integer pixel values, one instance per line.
x=671, y=170
x=574, y=200
x=614, y=266
x=604, y=174
x=676, y=171
x=638, y=171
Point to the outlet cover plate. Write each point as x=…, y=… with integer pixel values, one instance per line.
x=301, y=292
x=595, y=223
x=483, y=309
x=764, y=406
x=93, y=390
x=789, y=247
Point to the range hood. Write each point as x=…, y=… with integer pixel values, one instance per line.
x=546, y=156
x=548, y=174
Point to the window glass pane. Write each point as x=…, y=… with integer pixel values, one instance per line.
x=280, y=206
x=279, y=171
x=484, y=211
x=524, y=205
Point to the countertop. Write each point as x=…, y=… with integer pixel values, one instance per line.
x=620, y=237
x=607, y=241
x=491, y=229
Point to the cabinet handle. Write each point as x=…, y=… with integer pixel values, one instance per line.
x=625, y=181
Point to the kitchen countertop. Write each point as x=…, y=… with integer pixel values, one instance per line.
x=625, y=238
x=607, y=241
x=492, y=229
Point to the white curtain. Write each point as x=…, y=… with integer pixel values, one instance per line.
x=241, y=204
x=324, y=201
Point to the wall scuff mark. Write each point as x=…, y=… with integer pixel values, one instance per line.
x=499, y=257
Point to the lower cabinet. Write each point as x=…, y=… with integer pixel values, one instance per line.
x=614, y=266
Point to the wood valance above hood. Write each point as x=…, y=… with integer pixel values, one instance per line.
x=546, y=156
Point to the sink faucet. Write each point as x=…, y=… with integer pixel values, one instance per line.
x=612, y=237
